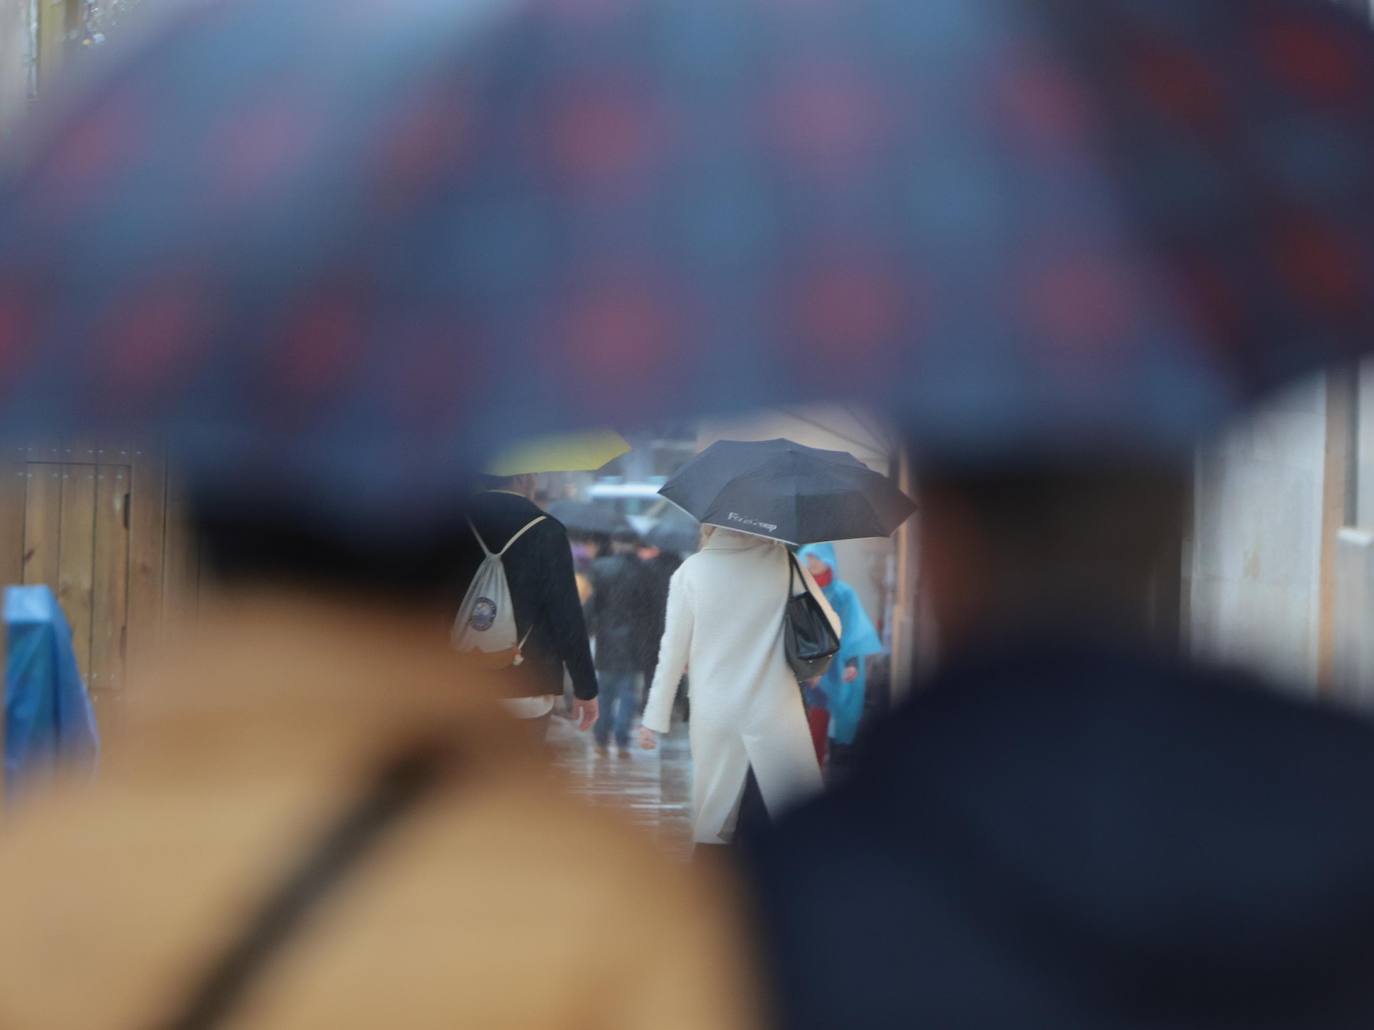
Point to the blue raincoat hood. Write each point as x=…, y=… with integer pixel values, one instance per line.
x=825, y=552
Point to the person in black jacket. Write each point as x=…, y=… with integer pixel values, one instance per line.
x=619, y=617
x=658, y=567
x=539, y=569
x=1071, y=825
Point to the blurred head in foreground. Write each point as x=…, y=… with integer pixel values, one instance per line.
x=249, y=546
x=1008, y=548
x=1066, y=825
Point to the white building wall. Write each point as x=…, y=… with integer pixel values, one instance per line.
x=1255, y=565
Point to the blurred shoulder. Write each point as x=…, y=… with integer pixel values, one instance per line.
x=551, y=527
x=696, y=569
x=689, y=567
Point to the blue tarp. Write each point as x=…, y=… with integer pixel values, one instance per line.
x=48, y=717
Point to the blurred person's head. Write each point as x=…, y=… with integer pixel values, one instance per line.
x=648, y=552
x=624, y=541
x=1081, y=546
x=587, y=547
x=248, y=544
x=525, y=485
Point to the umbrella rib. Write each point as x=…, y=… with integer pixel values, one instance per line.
x=881, y=436
x=845, y=437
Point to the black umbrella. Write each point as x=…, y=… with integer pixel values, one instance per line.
x=676, y=531
x=583, y=517
x=785, y=491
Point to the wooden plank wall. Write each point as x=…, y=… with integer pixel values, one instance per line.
x=43, y=521
x=147, y=515
x=13, y=501
x=181, y=570
x=76, y=556
x=110, y=578
x=103, y=525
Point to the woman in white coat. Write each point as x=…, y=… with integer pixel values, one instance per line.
x=724, y=623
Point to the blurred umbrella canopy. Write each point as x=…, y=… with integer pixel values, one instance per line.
x=583, y=518
x=563, y=452
x=349, y=247
x=674, y=531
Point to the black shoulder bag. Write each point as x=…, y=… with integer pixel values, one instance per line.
x=807, y=634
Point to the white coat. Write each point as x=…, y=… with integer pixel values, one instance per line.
x=725, y=619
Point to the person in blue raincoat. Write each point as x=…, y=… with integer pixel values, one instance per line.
x=49, y=720
x=843, y=686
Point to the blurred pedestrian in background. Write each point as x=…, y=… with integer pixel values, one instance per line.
x=584, y=550
x=724, y=623
x=1070, y=825
x=548, y=610
x=842, y=690
x=619, y=616
x=659, y=568
x=587, y=548
x=320, y=818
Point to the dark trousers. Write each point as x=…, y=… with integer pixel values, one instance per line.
x=619, y=697
x=753, y=820
x=839, y=762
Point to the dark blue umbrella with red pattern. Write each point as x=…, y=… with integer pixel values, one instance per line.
x=358, y=243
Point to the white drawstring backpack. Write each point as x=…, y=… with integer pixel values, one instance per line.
x=485, y=625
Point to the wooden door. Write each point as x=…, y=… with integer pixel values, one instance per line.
x=100, y=524
x=76, y=540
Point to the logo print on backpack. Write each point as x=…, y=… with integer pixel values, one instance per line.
x=483, y=614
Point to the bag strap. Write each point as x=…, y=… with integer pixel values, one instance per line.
x=501, y=553
x=520, y=647
x=792, y=569
x=392, y=793
x=525, y=529
x=481, y=543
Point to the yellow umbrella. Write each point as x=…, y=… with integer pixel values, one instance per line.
x=566, y=452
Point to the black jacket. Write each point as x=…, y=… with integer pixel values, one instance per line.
x=658, y=574
x=617, y=613
x=1082, y=836
x=543, y=590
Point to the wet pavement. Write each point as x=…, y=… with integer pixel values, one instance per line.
x=652, y=786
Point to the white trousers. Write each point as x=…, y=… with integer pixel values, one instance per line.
x=771, y=734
